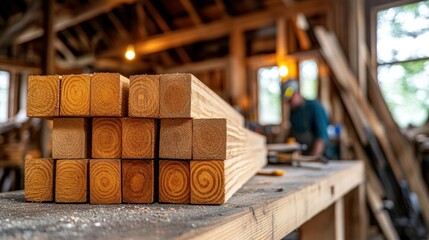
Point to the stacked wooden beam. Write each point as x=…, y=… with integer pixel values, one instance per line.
x=205, y=153
x=107, y=136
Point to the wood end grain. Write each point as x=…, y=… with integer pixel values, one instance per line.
x=207, y=182
x=139, y=138
x=144, y=96
x=43, y=96
x=174, y=181
x=209, y=139
x=175, y=140
x=71, y=181
x=106, y=137
x=105, y=181
x=138, y=181
x=70, y=138
x=75, y=95
x=109, y=94
x=175, y=95
x=39, y=180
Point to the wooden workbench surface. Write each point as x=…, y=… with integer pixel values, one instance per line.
x=265, y=207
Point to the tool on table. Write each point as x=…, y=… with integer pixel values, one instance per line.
x=276, y=172
x=290, y=153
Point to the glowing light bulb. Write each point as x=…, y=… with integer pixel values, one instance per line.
x=130, y=53
x=283, y=71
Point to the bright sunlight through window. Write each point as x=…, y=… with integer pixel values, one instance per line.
x=269, y=96
x=4, y=96
x=403, y=61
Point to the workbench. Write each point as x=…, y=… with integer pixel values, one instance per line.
x=325, y=204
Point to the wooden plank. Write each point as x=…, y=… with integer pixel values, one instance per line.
x=174, y=181
x=144, y=96
x=106, y=138
x=139, y=138
x=184, y=96
x=75, y=95
x=43, y=99
x=216, y=139
x=138, y=181
x=175, y=139
x=109, y=95
x=39, y=180
x=215, y=181
x=105, y=181
x=70, y=138
x=71, y=181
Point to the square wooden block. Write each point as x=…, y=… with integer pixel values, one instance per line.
x=75, y=95
x=209, y=139
x=208, y=182
x=106, y=138
x=109, y=95
x=43, y=96
x=70, y=138
x=138, y=181
x=71, y=181
x=139, y=138
x=144, y=96
x=39, y=180
x=105, y=181
x=174, y=186
x=175, y=140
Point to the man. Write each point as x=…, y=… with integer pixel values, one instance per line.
x=308, y=120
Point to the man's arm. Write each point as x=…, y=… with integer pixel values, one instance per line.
x=318, y=147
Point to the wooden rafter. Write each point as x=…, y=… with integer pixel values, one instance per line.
x=71, y=40
x=83, y=38
x=222, y=9
x=189, y=7
x=64, y=50
x=104, y=37
x=163, y=25
x=220, y=28
x=118, y=25
x=63, y=22
x=141, y=20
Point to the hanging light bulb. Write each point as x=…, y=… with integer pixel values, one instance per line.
x=283, y=71
x=130, y=53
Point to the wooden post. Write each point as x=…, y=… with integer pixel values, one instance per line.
x=237, y=51
x=281, y=42
x=328, y=224
x=355, y=214
x=47, y=65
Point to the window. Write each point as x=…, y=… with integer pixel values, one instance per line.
x=269, y=101
x=403, y=61
x=308, y=79
x=4, y=96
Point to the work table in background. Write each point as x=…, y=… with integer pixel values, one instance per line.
x=265, y=207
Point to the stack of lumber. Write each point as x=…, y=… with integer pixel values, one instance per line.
x=390, y=163
x=205, y=152
x=114, y=138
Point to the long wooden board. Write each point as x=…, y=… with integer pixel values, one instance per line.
x=215, y=181
x=144, y=96
x=39, y=180
x=184, y=96
x=71, y=181
x=109, y=95
x=70, y=138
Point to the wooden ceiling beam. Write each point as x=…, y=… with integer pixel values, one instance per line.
x=218, y=63
x=118, y=25
x=104, y=37
x=64, y=50
x=141, y=20
x=222, y=9
x=190, y=9
x=163, y=25
x=220, y=28
x=83, y=38
x=90, y=11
